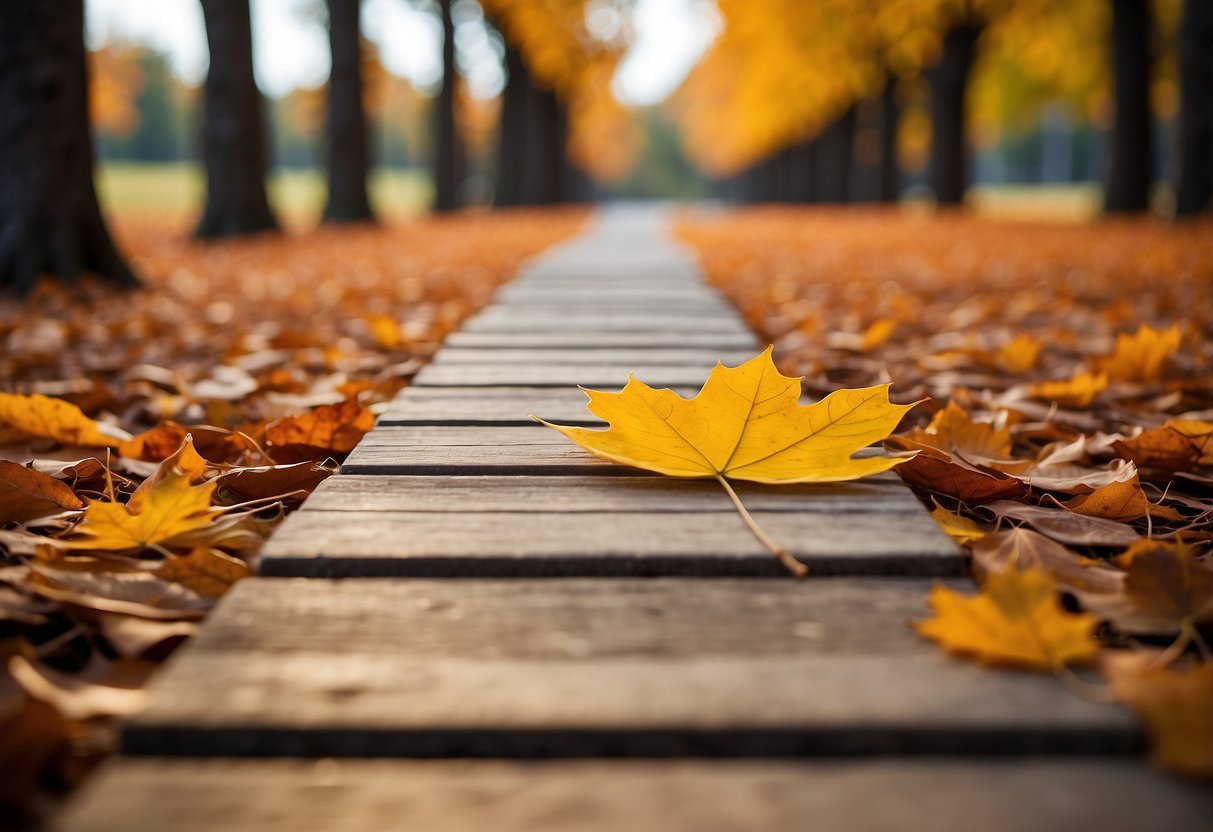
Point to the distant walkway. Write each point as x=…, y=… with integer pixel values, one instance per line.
x=503, y=595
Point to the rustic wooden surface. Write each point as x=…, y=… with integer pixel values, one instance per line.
x=493, y=406
x=582, y=339
x=605, y=376
x=596, y=668
x=991, y=795
x=631, y=357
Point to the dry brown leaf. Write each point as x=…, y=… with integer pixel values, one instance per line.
x=208, y=572
x=1066, y=527
x=317, y=434
x=1023, y=548
x=26, y=494
x=1166, y=590
x=102, y=689
x=958, y=481
x=1121, y=501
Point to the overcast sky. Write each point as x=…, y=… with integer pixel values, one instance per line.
x=291, y=48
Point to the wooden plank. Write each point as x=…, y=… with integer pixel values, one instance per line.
x=339, y=544
x=352, y=795
x=608, y=305
x=352, y=492
x=640, y=291
x=426, y=406
x=622, y=356
x=596, y=668
x=485, y=322
x=602, y=340
x=612, y=376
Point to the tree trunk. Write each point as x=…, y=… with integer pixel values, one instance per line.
x=948, y=81
x=835, y=159
x=888, y=186
x=512, y=141
x=1195, y=188
x=1131, y=158
x=50, y=222
x=447, y=155
x=233, y=134
x=348, y=147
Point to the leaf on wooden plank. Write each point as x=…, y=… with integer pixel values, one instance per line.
x=1166, y=590
x=169, y=509
x=1016, y=620
x=49, y=418
x=208, y=572
x=745, y=424
x=1023, y=548
x=958, y=480
x=26, y=494
x=1176, y=706
x=1067, y=527
x=319, y=433
x=103, y=688
x=957, y=526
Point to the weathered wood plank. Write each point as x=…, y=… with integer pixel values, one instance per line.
x=622, y=356
x=486, y=322
x=437, y=406
x=574, y=339
x=1081, y=794
x=547, y=544
x=352, y=492
x=561, y=375
x=596, y=668
x=641, y=291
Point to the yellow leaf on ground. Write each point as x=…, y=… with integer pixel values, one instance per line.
x=1019, y=355
x=1140, y=356
x=745, y=424
x=1017, y=620
x=1079, y=391
x=952, y=430
x=957, y=526
x=171, y=507
x=48, y=418
x=208, y=572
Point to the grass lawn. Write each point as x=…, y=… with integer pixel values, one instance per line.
x=176, y=189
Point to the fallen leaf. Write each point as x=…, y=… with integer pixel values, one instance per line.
x=1177, y=708
x=1067, y=527
x=329, y=429
x=272, y=481
x=957, y=480
x=172, y=507
x=957, y=526
x=134, y=637
x=1166, y=590
x=140, y=594
x=953, y=430
x=1120, y=501
x=26, y=494
x=208, y=572
x=745, y=424
x=1023, y=548
x=1079, y=391
x=1162, y=451
x=1140, y=356
x=102, y=689
x=1017, y=620
x=50, y=418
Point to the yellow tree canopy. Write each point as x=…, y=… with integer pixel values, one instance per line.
x=577, y=61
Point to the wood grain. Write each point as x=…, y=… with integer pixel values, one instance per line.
x=614, y=375
x=594, y=356
x=596, y=668
x=575, y=339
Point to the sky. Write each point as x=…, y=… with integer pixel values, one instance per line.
x=290, y=46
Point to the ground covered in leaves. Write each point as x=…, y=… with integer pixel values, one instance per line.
x=1066, y=437
x=149, y=441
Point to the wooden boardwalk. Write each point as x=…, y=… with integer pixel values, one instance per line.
x=478, y=625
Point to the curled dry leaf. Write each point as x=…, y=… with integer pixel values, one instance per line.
x=1015, y=621
x=1022, y=548
x=325, y=431
x=26, y=494
x=953, y=431
x=958, y=480
x=1121, y=501
x=1067, y=527
x=208, y=572
x=103, y=688
x=1166, y=590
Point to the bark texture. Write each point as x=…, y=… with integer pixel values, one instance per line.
x=888, y=186
x=948, y=81
x=836, y=158
x=448, y=167
x=233, y=131
x=50, y=222
x=1131, y=156
x=532, y=165
x=349, y=158
x=1195, y=191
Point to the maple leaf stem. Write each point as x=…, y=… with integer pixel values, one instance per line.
x=785, y=557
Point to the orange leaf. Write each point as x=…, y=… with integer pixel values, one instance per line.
x=26, y=494
x=48, y=418
x=335, y=427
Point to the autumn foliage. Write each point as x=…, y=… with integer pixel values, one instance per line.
x=1068, y=437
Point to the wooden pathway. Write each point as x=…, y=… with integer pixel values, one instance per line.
x=474, y=597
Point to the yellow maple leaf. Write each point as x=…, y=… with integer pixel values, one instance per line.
x=1177, y=707
x=170, y=508
x=1019, y=355
x=50, y=418
x=1078, y=391
x=744, y=424
x=1017, y=620
x=1140, y=356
